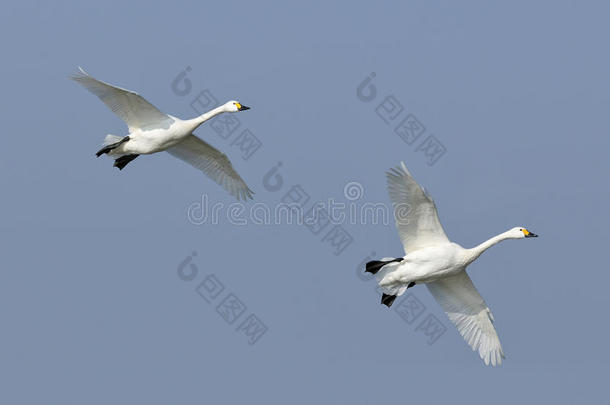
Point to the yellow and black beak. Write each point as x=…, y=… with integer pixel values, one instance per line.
x=241, y=107
x=529, y=234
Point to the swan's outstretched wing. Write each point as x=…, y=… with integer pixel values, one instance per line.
x=212, y=162
x=469, y=313
x=414, y=211
x=129, y=106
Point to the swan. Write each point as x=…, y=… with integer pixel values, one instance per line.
x=432, y=259
x=151, y=131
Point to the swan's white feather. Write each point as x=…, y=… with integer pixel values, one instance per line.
x=110, y=139
x=128, y=105
x=414, y=211
x=467, y=310
x=213, y=163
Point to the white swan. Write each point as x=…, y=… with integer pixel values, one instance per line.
x=432, y=259
x=151, y=131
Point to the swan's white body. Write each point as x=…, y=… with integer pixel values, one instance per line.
x=423, y=266
x=434, y=260
x=151, y=131
x=145, y=142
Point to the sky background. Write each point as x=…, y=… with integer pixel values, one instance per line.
x=91, y=303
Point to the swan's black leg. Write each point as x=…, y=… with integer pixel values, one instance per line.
x=387, y=300
x=123, y=160
x=411, y=284
x=374, y=266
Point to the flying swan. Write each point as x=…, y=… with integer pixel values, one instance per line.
x=151, y=131
x=432, y=259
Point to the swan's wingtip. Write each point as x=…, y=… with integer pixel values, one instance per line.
x=244, y=195
x=80, y=74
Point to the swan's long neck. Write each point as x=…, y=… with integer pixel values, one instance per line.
x=207, y=116
x=476, y=251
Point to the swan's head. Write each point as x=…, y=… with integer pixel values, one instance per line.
x=519, y=232
x=235, y=106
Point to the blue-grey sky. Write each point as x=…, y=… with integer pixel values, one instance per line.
x=92, y=306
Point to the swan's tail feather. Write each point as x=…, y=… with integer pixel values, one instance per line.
x=111, y=142
x=374, y=266
x=391, y=280
x=110, y=139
